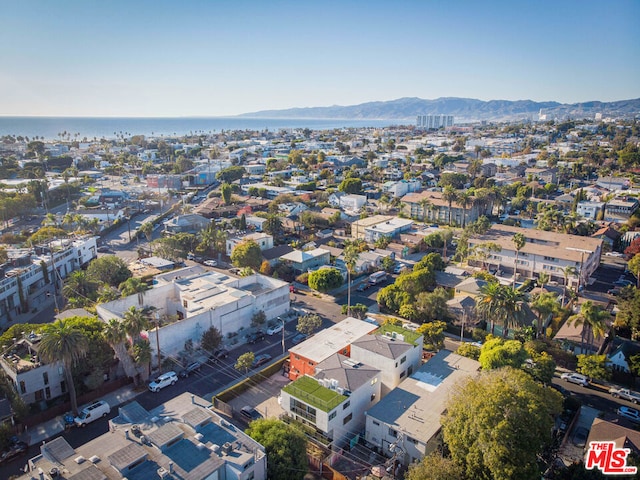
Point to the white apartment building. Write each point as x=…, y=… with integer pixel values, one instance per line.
x=406, y=422
x=402, y=187
x=543, y=251
x=434, y=121
x=66, y=255
x=589, y=210
x=189, y=303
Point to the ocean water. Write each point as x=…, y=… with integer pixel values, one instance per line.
x=110, y=127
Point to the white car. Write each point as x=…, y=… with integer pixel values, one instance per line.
x=275, y=329
x=211, y=263
x=614, y=254
x=576, y=378
x=164, y=380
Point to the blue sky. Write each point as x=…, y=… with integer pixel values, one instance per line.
x=216, y=58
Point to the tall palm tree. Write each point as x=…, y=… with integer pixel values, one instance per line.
x=79, y=284
x=141, y=351
x=424, y=203
x=593, y=319
x=449, y=195
x=115, y=335
x=350, y=256
x=61, y=342
x=132, y=285
x=566, y=271
x=544, y=304
x=519, y=240
x=502, y=304
x=465, y=200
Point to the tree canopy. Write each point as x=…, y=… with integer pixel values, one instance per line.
x=325, y=279
x=109, y=269
x=247, y=254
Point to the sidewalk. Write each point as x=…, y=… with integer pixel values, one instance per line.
x=36, y=435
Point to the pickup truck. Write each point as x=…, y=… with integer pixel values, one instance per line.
x=626, y=394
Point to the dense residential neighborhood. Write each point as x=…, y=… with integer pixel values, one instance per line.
x=378, y=277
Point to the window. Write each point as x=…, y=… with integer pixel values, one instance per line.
x=332, y=415
x=346, y=404
x=45, y=378
x=403, y=373
x=185, y=304
x=373, y=397
x=39, y=396
x=403, y=359
x=376, y=423
x=47, y=392
x=347, y=419
x=23, y=387
x=393, y=433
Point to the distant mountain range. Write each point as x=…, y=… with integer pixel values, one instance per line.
x=463, y=109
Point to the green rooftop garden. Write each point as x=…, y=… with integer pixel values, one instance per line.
x=308, y=390
x=409, y=336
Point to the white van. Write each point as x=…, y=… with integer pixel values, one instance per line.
x=92, y=412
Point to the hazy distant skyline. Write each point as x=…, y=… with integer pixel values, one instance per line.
x=217, y=58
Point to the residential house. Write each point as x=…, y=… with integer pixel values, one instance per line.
x=189, y=303
x=395, y=351
x=372, y=228
x=608, y=235
x=620, y=355
x=611, y=430
x=620, y=209
x=264, y=241
x=334, y=401
x=402, y=187
x=571, y=339
x=303, y=261
x=292, y=209
x=549, y=252
x=181, y=438
x=189, y=223
x=406, y=422
x=257, y=223
x=547, y=175
x=172, y=182
x=589, y=210
x=432, y=207
x=338, y=338
x=612, y=183
x=272, y=255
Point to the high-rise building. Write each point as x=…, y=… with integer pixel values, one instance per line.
x=434, y=121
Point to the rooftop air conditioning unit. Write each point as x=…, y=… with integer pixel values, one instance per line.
x=163, y=472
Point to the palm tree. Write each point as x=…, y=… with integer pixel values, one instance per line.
x=424, y=203
x=79, y=284
x=502, y=304
x=465, y=200
x=61, y=342
x=593, y=319
x=449, y=195
x=147, y=229
x=135, y=321
x=519, y=241
x=350, y=257
x=544, y=304
x=141, y=351
x=543, y=279
x=131, y=286
x=115, y=335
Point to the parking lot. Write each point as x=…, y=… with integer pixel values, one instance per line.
x=263, y=397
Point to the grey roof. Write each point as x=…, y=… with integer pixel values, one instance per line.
x=385, y=346
x=91, y=473
x=133, y=412
x=57, y=450
x=276, y=252
x=126, y=456
x=165, y=434
x=349, y=373
x=415, y=406
x=196, y=417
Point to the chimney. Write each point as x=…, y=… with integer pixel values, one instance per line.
x=126, y=434
x=41, y=474
x=170, y=467
x=193, y=399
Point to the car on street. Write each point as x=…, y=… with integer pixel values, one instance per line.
x=219, y=354
x=260, y=360
x=630, y=413
x=625, y=393
x=189, y=369
x=250, y=413
x=363, y=286
x=576, y=378
x=299, y=338
x=164, y=380
x=90, y=413
x=210, y=263
x=16, y=449
x=275, y=329
x=255, y=337
x=103, y=249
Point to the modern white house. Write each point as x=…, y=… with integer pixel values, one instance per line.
x=406, y=422
x=401, y=187
x=589, y=210
x=187, y=304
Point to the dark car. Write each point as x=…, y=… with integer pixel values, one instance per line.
x=260, y=360
x=103, y=249
x=219, y=354
x=189, y=369
x=299, y=338
x=363, y=286
x=250, y=413
x=14, y=450
x=255, y=337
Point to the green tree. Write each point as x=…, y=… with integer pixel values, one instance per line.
x=211, y=339
x=634, y=267
x=231, y=174
x=350, y=256
x=501, y=304
x=258, y=319
x=307, y=324
x=109, y=269
x=435, y=467
x=132, y=286
x=433, y=305
x=351, y=185
x=147, y=230
x=449, y=195
x=498, y=353
x=593, y=319
x=285, y=445
x=325, y=279
x=357, y=311
x=594, y=366
x=247, y=254
x=433, y=333
x=135, y=321
x=66, y=344
x=245, y=361
x=115, y=335
x=544, y=304
x=469, y=350
x=80, y=286
x=501, y=438
x=225, y=190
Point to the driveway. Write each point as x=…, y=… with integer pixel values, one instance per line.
x=263, y=397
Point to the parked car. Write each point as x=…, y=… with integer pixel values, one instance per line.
x=164, y=380
x=219, y=354
x=299, y=338
x=210, y=263
x=260, y=360
x=255, y=337
x=614, y=254
x=275, y=329
x=363, y=286
x=250, y=413
x=576, y=378
x=630, y=413
x=15, y=449
x=623, y=283
x=625, y=393
x=91, y=413
x=614, y=291
x=189, y=369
